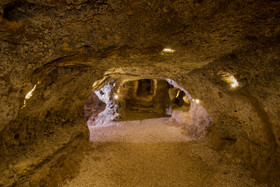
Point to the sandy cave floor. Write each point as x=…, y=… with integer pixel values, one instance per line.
x=155, y=152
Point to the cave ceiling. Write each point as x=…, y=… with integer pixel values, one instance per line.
x=38, y=33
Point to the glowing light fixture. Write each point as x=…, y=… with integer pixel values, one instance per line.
x=29, y=95
x=178, y=93
x=229, y=78
x=168, y=50
x=116, y=96
x=94, y=84
x=186, y=99
x=235, y=83
x=196, y=101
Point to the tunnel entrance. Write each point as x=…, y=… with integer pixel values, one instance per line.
x=137, y=104
x=136, y=100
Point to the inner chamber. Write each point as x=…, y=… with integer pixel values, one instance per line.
x=148, y=98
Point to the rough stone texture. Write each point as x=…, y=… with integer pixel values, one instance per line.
x=196, y=121
x=67, y=45
x=93, y=107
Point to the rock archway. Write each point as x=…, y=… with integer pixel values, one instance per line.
x=121, y=99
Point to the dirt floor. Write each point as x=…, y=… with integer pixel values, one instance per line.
x=155, y=152
x=132, y=115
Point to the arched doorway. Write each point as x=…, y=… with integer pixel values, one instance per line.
x=123, y=100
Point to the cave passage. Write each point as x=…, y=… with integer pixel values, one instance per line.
x=136, y=100
x=157, y=109
x=148, y=98
x=150, y=139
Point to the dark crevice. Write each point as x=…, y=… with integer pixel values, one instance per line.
x=231, y=141
x=8, y=10
x=17, y=10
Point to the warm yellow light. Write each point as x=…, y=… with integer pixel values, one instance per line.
x=186, y=99
x=229, y=78
x=94, y=84
x=235, y=83
x=178, y=93
x=24, y=104
x=196, y=101
x=29, y=94
x=168, y=50
x=116, y=96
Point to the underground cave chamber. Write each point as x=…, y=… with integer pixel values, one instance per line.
x=225, y=54
x=146, y=98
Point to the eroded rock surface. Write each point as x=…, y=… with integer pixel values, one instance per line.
x=93, y=107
